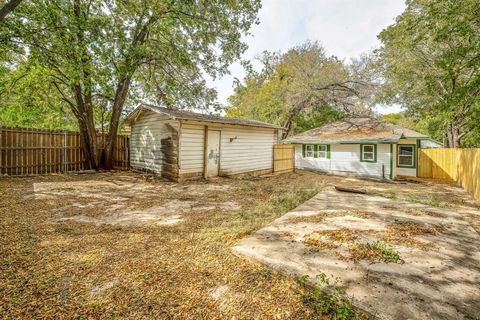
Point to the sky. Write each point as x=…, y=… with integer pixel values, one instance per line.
x=346, y=28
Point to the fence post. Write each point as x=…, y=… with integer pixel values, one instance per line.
x=64, y=158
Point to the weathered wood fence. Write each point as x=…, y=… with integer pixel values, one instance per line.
x=35, y=151
x=457, y=164
x=283, y=158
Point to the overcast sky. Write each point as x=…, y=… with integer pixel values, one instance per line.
x=346, y=28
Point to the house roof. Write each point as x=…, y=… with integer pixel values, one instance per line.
x=188, y=115
x=356, y=130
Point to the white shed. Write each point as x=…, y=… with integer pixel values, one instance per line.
x=181, y=145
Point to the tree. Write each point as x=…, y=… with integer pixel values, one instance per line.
x=28, y=99
x=107, y=52
x=430, y=59
x=302, y=88
x=8, y=7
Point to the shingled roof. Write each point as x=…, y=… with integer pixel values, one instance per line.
x=356, y=130
x=188, y=115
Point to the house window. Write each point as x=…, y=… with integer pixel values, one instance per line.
x=309, y=150
x=322, y=151
x=368, y=153
x=406, y=155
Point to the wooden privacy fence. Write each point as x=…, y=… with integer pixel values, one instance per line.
x=457, y=164
x=35, y=151
x=283, y=158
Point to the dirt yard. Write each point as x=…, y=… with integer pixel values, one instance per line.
x=114, y=245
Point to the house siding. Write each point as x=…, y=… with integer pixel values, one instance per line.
x=251, y=150
x=402, y=171
x=145, y=142
x=345, y=159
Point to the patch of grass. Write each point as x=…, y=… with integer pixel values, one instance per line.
x=245, y=221
x=325, y=299
x=431, y=200
x=385, y=194
x=373, y=251
x=389, y=254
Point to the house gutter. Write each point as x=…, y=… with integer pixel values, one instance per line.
x=340, y=142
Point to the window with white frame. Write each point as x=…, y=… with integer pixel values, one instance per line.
x=322, y=151
x=309, y=150
x=406, y=156
x=368, y=153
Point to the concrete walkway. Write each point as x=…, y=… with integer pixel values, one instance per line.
x=438, y=276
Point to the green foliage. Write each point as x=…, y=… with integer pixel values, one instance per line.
x=325, y=299
x=389, y=254
x=27, y=99
x=427, y=126
x=429, y=59
x=399, y=119
x=103, y=57
x=301, y=89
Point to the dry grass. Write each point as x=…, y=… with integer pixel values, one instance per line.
x=321, y=216
x=424, y=212
x=54, y=269
x=66, y=269
x=373, y=252
x=404, y=233
x=329, y=239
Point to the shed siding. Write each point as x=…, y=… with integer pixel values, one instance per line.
x=145, y=142
x=251, y=150
x=191, y=148
x=345, y=158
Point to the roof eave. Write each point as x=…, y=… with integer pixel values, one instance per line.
x=235, y=124
x=133, y=115
x=387, y=141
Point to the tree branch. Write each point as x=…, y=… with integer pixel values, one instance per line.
x=8, y=7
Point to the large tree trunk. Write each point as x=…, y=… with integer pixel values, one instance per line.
x=453, y=136
x=86, y=124
x=121, y=95
x=8, y=7
x=117, y=108
x=83, y=96
x=89, y=142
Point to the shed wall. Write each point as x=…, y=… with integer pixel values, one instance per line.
x=145, y=143
x=250, y=150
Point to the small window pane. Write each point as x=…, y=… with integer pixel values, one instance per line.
x=309, y=151
x=322, y=147
x=322, y=154
x=406, y=155
x=368, y=156
x=406, y=150
x=405, y=160
x=367, y=148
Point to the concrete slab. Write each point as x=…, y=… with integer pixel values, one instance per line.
x=438, y=276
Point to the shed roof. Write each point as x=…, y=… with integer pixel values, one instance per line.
x=356, y=130
x=188, y=115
